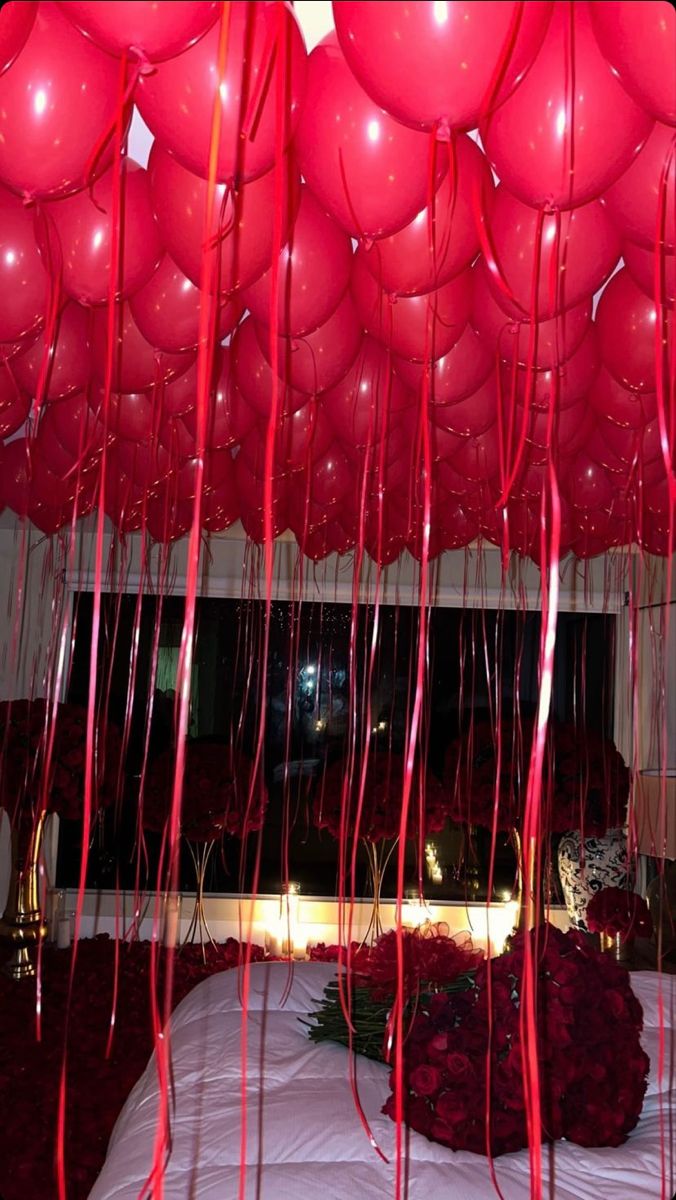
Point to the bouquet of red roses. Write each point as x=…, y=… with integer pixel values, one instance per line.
x=585, y=779
x=216, y=793
x=380, y=815
x=618, y=912
x=26, y=727
x=592, y=1067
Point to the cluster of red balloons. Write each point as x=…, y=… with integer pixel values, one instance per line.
x=402, y=313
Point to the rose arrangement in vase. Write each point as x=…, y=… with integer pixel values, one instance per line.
x=463, y=1049
x=619, y=916
x=374, y=817
x=585, y=782
x=219, y=797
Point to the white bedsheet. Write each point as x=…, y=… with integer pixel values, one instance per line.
x=304, y=1139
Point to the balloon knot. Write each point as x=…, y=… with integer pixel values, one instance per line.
x=443, y=130
x=28, y=199
x=549, y=206
x=143, y=65
x=366, y=242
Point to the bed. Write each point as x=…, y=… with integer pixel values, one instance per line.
x=305, y=1141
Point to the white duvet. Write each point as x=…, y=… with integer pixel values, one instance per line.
x=305, y=1141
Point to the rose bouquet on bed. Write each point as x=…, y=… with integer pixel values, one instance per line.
x=463, y=1058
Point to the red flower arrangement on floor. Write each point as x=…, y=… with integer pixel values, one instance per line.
x=585, y=779
x=593, y=1070
x=216, y=793
x=25, y=729
x=618, y=912
x=381, y=808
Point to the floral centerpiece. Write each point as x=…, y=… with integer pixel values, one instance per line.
x=377, y=822
x=619, y=916
x=463, y=1054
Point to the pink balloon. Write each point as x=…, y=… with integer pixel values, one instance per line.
x=456, y=375
x=253, y=375
x=432, y=68
x=415, y=327
x=574, y=252
x=615, y=403
x=589, y=486
x=23, y=282
x=60, y=97
x=84, y=225
x=229, y=418
x=364, y=405
x=642, y=202
x=137, y=366
x=16, y=22
x=145, y=29
x=177, y=100
x=167, y=310
x=369, y=172
x=15, y=405
x=317, y=361
x=562, y=386
x=313, y=273
x=641, y=264
x=553, y=342
x=528, y=140
x=638, y=38
x=243, y=222
x=405, y=263
x=627, y=326
x=69, y=357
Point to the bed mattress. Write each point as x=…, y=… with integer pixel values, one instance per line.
x=304, y=1138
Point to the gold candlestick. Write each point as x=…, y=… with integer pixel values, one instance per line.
x=21, y=926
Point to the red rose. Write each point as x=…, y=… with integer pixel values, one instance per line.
x=424, y=1081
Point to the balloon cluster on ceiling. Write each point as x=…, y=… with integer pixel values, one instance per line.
x=394, y=327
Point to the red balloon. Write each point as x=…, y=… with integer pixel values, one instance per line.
x=364, y=405
x=642, y=202
x=177, y=440
x=131, y=416
x=405, y=263
x=218, y=473
x=124, y=501
x=457, y=374
x=331, y=479
x=589, y=485
x=77, y=426
x=146, y=29
x=574, y=254
x=615, y=403
x=554, y=340
x=69, y=358
x=469, y=417
x=60, y=97
x=16, y=476
x=243, y=224
x=626, y=320
x=570, y=428
x=177, y=100
x=145, y=464
x=656, y=537
x=313, y=273
x=317, y=361
x=23, y=282
x=434, y=65
x=168, y=519
x=220, y=509
x=302, y=435
x=253, y=375
x=251, y=497
x=167, y=310
x=137, y=366
x=641, y=264
x=229, y=418
x=369, y=172
x=15, y=405
x=478, y=458
x=84, y=226
x=572, y=379
x=16, y=22
x=529, y=139
x=415, y=327
x=638, y=39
